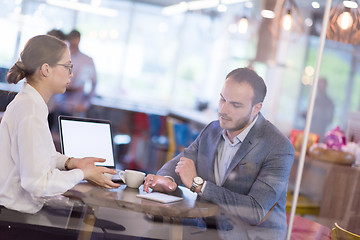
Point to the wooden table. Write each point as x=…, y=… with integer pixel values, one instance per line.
x=125, y=198
x=118, y=214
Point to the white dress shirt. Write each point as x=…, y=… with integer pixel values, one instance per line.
x=225, y=153
x=30, y=166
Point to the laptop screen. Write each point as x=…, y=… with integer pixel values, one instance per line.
x=84, y=137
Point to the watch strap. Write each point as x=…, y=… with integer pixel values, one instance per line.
x=193, y=187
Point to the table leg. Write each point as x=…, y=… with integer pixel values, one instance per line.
x=88, y=225
x=176, y=228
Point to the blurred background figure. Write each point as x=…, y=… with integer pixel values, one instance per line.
x=77, y=98
x=57, y=33
x=323, y=110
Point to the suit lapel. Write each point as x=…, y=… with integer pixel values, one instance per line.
x=250, y=141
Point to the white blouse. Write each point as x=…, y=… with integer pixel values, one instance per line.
x=30, y=167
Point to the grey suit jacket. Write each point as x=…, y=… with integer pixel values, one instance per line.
x=256, y=179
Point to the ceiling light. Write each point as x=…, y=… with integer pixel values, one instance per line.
x=196, y=5
x=233, y=1
x=287, y=16
x=249, y=5
x=345, y=20
x=243, y=25
x=287, y=21
x=344, y=24
x=95, y=3
x=221, y=8
x=267, y=14
x=174, y=9
x=83, y=7
x=309, y=70
x=350, y=4
x=308, y=22
x=315, y=5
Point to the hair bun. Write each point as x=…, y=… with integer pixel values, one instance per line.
x=20, y=66
x=16, y=73
x=22, y=71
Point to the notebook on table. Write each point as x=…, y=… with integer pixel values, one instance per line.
x=160, y=197
x=87, y=137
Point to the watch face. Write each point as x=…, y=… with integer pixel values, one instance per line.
x=198, y=180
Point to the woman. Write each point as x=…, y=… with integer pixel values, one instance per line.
x=31, y=169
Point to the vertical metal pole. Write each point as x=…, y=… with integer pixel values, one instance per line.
x=309, y=117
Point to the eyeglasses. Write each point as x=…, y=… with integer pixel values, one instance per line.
x=68, y=66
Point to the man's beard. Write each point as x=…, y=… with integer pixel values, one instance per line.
x=240, y=124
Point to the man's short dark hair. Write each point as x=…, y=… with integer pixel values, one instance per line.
x=73, y=34
x=253, y=79
x=57, y=33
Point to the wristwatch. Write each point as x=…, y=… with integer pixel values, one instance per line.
x=197, y=181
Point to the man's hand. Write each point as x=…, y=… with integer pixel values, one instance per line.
x=185, y=168
x=159, y=183
x=93, y=173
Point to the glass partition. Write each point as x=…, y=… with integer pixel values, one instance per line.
x=146, y=60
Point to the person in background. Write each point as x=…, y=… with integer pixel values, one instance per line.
x=57, y=33
x=32, y=170
x=77, y=98
x=240, y=162
x=323, y=111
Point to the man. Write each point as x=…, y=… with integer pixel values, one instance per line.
x=240, y=162
x=57, y=33
x=323, y=111
x=77, y=97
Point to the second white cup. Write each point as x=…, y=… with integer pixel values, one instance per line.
x=132, y=178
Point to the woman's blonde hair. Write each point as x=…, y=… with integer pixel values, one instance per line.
x=37, y=51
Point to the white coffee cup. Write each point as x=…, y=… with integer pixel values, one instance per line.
x=132, y=178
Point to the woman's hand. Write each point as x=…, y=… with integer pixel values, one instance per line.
x=81, y=163
x=92, y=172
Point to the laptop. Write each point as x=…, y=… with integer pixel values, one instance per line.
x=87, y=137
